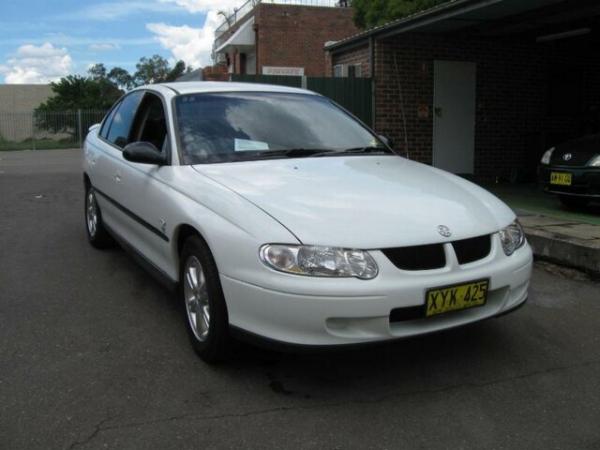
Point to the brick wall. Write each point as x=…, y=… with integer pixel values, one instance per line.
x=359, y=55
x=294, y=36
x=217, y=72
x=512, y=121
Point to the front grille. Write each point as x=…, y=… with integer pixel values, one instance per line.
x=471, y=250
x=577, y=158
x=421, y=257
x=429, y=257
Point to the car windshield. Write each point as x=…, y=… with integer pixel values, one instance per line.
x=242, y=126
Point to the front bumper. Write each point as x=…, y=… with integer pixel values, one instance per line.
x=325, y=312
x=585, y=181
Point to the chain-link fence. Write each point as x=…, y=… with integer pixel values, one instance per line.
x=45, y=130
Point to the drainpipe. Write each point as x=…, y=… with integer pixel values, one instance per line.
x=256, y=49
x=372, y=44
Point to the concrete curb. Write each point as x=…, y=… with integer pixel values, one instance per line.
x=566, y=243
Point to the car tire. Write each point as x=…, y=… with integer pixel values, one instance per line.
x=94, y=227
x=203, y=301
x=574, y=202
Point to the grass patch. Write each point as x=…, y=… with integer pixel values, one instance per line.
x=38, y=144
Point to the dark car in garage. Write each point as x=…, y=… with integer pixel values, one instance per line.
x=572, y=171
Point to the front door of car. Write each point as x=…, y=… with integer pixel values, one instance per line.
x=145, y=191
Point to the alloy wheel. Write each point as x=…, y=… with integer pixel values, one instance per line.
x=92, y=214
x=196, y=298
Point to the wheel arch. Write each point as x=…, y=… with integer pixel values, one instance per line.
x=183, y=232
x=86, y=180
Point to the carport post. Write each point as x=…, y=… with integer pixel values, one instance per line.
x=79, y=128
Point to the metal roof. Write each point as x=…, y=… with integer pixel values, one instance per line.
x=451, y=16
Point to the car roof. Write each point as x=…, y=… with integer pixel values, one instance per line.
x=199, y=87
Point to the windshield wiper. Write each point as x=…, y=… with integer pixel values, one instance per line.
x=367, y=149
x=296, y=152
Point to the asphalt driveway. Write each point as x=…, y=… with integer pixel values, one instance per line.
x=94, y=354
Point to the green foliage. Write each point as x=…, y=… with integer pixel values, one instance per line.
x=157, y=70
x=120, y=77
x=100, y=90
x=97, y=71
x=371, y=13
x=73, y=93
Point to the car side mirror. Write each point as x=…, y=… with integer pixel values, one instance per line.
x=386, y=140
x=144, y=153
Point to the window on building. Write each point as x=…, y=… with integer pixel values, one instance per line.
x=338, y=70
x=354, y=71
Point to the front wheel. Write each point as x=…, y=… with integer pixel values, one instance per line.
x=574, y=202
x=206, y=311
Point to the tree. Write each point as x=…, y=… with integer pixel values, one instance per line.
x=72, y=93
x=157, y=70
x=121, y=78
x=371, y=13
x=177, y=70
x=75, y=92
x=97, y=72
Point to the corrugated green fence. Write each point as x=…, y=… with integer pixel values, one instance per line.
x=354, y=94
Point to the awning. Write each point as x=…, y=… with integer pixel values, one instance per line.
x=509, y=16
x=242, y=39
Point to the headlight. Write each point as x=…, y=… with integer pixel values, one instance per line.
x=319, y=261
x=547, y=156
x=512, y=238
x=595, y=162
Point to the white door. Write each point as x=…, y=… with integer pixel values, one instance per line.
x=454, y=116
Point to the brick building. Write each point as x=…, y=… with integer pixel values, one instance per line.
x=284, y=38
x=482, y=87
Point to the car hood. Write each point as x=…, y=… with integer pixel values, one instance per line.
x=363, y=202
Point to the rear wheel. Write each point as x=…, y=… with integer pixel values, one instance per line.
x=205, y=308
x=96, y=233
x=574, y=202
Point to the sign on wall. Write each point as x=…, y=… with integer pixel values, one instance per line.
x=285, y=71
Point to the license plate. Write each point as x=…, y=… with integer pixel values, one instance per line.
x=561, y=178
x=456, y=298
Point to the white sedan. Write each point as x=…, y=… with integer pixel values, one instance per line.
x=276, y=214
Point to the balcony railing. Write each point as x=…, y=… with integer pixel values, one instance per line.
x=249, y=5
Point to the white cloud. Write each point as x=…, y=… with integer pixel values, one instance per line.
x=37, y=64
x=103, y=47
x=109, y=11
x=192, y=45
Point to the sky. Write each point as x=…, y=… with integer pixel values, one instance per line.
x=44, y=40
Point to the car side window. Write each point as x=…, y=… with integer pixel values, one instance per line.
x=122, y=121
x=108, y=121
x=150, y=123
